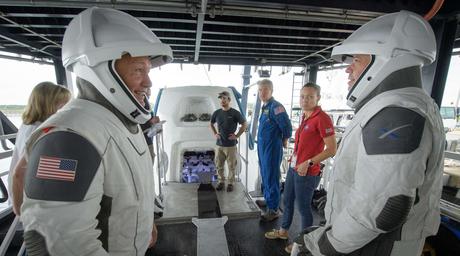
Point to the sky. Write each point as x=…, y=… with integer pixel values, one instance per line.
x=18, y=79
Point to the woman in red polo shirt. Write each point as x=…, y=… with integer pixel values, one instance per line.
x=314, y=142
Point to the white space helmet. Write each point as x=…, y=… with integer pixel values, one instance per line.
x=395, y=41
x=95, y=38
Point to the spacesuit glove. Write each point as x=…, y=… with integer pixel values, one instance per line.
x=299, y=248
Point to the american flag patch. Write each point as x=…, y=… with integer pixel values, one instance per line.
x=279, y=109
x=54, y=168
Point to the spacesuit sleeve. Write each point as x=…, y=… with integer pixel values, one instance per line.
x=63, y=188
x=278, y=113
x=391, y=165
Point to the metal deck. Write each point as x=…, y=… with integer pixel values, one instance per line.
x=181, y=203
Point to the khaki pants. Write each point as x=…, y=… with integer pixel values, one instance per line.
x=229, y=154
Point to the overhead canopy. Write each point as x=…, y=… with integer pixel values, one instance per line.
x=268, y=32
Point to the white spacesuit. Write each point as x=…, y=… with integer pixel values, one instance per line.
x=385, y=185
x=89, y=181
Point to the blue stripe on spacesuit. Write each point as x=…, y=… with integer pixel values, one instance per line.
x=273, y=128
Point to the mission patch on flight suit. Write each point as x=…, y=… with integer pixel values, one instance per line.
x=393, y=130
x=61, y=167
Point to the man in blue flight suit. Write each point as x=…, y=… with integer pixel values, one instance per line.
x=274, y=131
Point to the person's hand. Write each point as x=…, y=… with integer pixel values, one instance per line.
x=232, y=137
x=300, y=250
x=154, y=120
x=153, y=239
x=217, y=135
x=285, y=143
x=302, y=168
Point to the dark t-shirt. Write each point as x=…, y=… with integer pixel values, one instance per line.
x=227, y=121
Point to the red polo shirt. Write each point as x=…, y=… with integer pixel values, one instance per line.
x=309, y=137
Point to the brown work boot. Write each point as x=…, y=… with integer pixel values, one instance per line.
x=270, y=215
x=229, y=187
x=220, y=186
x=276, y=234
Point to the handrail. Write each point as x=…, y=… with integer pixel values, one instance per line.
x=245, y=159
x=9, y=236
x=449, y=209
x=248, y=137
x=8, y=136
x=452, y=155
x=6, y=154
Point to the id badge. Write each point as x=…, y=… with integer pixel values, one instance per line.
x=293, y=161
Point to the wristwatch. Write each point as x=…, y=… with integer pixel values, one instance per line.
x=310, y=163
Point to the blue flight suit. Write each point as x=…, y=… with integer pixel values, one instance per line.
x=274, y=127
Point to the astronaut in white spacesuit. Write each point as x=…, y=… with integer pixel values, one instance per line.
x=89, y=186
x=385, y=185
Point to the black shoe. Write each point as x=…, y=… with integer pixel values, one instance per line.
x=261, y=203
x=220, y=186
x=229, y=187
x=270, y=215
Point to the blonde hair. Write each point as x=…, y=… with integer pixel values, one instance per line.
x=267, y=83
x=44, y=101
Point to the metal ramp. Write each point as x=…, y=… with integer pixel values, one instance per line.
x=181, y=203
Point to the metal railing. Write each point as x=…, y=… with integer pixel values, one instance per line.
x=244, y=159
x=7, y=211
x=450, y=209
x=3, y=155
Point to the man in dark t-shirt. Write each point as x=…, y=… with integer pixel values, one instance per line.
x=227, y=120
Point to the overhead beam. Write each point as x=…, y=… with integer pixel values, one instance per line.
x=39, y=61
x=270, y=26
x=199, y=33
x=261, y=42
x=230, y=8
x=33, y=26
x=258, y=49
x=213, y=22
x=230, y=40
x=245, y=48
x=260, y=54
x=204, y=4
x=24, y=51
x=244, y=60
x=273, y=36
x=71, y=16
x=203, y=32
x=199, y=29
x=24, y=42
x=263, y=49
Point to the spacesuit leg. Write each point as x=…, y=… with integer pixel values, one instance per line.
x=272, y=178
